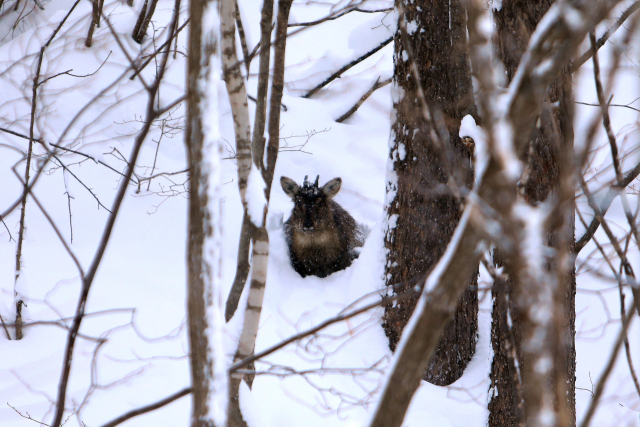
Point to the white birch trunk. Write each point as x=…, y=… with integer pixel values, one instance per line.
x=260, y=256
x=237, y=96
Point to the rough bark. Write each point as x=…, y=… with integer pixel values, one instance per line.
x=553, y=134
x=425, y=213
x=496, y=188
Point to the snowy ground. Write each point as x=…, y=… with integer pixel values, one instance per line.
x=138, y=298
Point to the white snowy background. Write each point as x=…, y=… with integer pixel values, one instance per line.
x=133, y=346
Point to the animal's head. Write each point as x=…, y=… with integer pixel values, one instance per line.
x=312, y=209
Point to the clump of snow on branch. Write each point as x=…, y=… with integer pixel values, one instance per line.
x=469, y=128
x=256, y=199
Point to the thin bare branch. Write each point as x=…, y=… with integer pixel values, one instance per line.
x=4, y=326
x=602, y=382
x=614, y=190
x=606, y=120
x=593, y=204
x=377, y=85
x=602, y=40
x=157, y=51
x=627, y=348
x=339, y=318
x=338, y=14
x=27, y=170
x=55, y=229
x=346, y=67
x=148, y=408
x=87, y=279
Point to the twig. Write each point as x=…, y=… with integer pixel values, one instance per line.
x=148, y=408
x=337, y=15
x=34, y=420
x=47, y=158
x=297, y=337
x=149, y=178
x=81, y=183
x=627, y=349
x=377, y=85
x=87, y=279
x=70, y=222
x=132, y=63
x=169, y=106
x=351, y=64
x=605, y=226
x=68, y=72
x=55, y=229
x=602, y=40
x=4, y=326
x=5, y=226
x=30, y=150
x=610, y=105
x=92, y=158
x=52, y=154
x=606, y=120
x=155, y=157
x=609, y=367
x=614, y=190
x=157, y=51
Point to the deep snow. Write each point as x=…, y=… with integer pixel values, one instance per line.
x=139, y=292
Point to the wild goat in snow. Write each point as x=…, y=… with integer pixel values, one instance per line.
x=321, y=235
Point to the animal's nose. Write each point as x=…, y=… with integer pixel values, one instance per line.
x=307, y=225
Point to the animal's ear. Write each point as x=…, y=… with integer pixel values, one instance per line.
x=332, y=187
x=289, y=186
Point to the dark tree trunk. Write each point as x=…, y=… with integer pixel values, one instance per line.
x=553, y=134
x=424, y=212
x=199, y=228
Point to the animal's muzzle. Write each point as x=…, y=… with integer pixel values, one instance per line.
x=307, y=226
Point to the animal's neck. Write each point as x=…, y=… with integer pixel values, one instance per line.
x=316, y=239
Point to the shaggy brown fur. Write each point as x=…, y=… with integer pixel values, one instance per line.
x=321, y=235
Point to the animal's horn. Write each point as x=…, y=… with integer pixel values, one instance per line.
x=315, y=184
x=305, y=183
